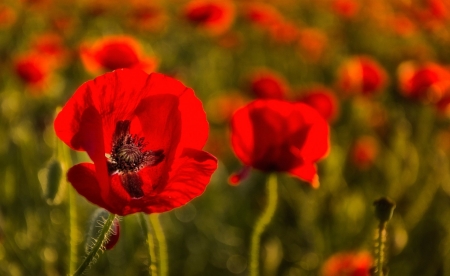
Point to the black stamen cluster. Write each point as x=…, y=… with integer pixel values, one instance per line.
x=127, y=153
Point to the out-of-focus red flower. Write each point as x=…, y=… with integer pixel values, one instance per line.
x=51, y=47
x=7, y=16
x=267, y=84
x=321, y=99
x=280, y=136
x=348, y=264
x=345, y=8
x=427, y=82
x=312, y=43
x=361, y=75
x=364, y=152
x=145, y=135
x=115, y=52
x=432, y=13
x=262, y=15
x=33, y=70
x=402, y=25
x=147, y=16
x=213, y=16
x=284, y=32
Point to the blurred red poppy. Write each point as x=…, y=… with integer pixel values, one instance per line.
x=284, y=32
x=361, y=75
x=274, y=135
x=33, y=70
x=214, y=17
x=145, y=135
x=7, y=16
x=262, y=15
x=147, y=16
x=427, y=82
x=364, y=152
x=321, y=99
x=345, y=8
x=348, y=264
x=267, y=84
x=115, y=52
x=312, y=43
x=51, y=47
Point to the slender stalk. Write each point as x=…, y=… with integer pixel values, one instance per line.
x=73, y=259
x=161, y=240
x=263, y=221
x=63, y=155
x=381, y=240
x=97, y=246
x=153, y=271
x=66, y=161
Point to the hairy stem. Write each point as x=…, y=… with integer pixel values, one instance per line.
x=101, y=239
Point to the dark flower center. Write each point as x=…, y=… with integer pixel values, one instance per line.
x=128, y=157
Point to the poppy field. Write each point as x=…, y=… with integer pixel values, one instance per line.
x=207, y=137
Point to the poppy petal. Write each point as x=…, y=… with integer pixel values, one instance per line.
x=194, y=126
x=317, y=142
x=189, y=177
x=308, y=173
x=89, y=137
x=83, y=178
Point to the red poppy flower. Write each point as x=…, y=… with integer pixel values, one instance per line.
x=7, y=16
x=147, y=16
x=116, y=52
x=312, y=43
x=32, y=69
x=361, y=75
x=427, y=82
x=274, y=135
x=215, y=17
x=262, y=15
x=51, y=46
x=284, y=32
x=345, y=8
x=322, y=100
x=145, y=135
x=348, y=264
x=364, y=152
x=267, y=84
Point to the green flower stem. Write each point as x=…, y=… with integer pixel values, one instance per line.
x=97, y=246
x=381, y=240
x=151, y=245
x=263, y=221
x=73, y=259
x=160, y=238
x=63, y=155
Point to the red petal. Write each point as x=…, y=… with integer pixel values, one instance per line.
x=194, y=126
x=188, y=179
x=161, y=124
x=116, y=96
x=83, y=179
x=317, y=143
x=308, y=173
x=89, y=137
